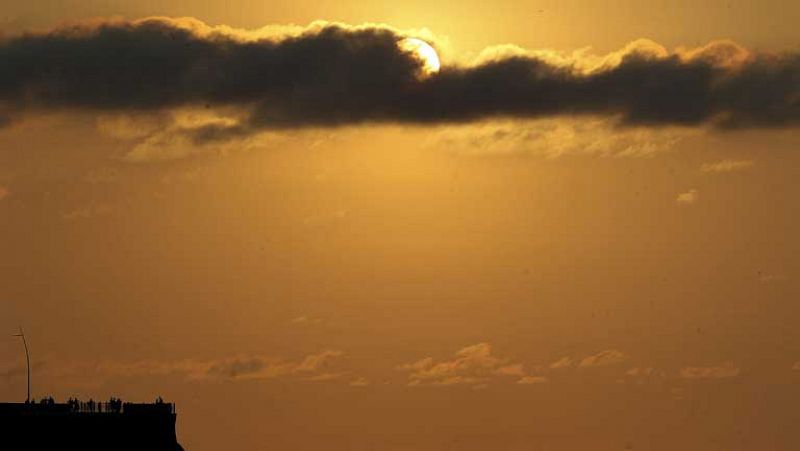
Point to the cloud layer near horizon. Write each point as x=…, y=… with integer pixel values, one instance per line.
x=334, y=74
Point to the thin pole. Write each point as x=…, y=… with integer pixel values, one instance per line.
x=27, y=360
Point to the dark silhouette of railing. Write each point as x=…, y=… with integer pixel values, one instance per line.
x=112, y=406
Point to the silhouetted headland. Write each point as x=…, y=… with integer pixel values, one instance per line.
x=88, y=425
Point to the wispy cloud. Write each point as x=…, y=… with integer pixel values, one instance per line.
x=327, y=376
x=771, y=278
x=553, y=138
x=530, y=380
x=688, y=197
x=726, y=370
x=315, y=362
x=324, y=365
x=359, y=382
x=726, y=166
x=564, y=362
x=304, y=320
x=88, y=211
x=604, y=358
x=641, y=375
x=640, y=372
x=511, y=370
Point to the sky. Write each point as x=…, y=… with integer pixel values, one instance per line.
x=577, y=234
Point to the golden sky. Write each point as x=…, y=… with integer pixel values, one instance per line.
x=577, y=235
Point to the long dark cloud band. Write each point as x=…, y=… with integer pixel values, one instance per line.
x=335, y=75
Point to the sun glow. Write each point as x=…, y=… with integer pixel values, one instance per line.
x=425, y=52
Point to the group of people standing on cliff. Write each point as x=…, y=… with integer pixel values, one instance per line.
x=114, y=405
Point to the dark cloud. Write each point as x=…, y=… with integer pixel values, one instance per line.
x=236, y=367
x=334, y=74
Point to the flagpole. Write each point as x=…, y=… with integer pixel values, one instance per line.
x=27, y=360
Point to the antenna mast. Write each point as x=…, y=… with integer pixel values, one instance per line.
x=27, y=360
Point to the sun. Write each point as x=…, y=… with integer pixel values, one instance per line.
x=423, y=51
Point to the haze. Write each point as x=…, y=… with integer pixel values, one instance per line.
x=303, y=264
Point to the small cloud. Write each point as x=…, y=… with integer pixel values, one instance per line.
x=242, y=368
x=471, y=365
x=89, y=211
x=641, y=375
x=510, y=370
x=687, y=198
x=360, y=382
x=326, y=377
x=771, y=278
x=726, y=370
x=564, y=362
x=305, y=320
x=726, y=166
x=605, y=358
x=4, y=192
x=796, y=366
x=678, y=393
x=529, y=380
x=640, y=372
x=418, y=365
x=315, y=362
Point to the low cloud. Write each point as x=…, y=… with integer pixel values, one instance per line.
x=305, y=320
x=552, y=138
x=530, y=380
x=511, y=370
x=726, y=370
x=325, y=365
x=772, y=278
x=326, y=377
x=688, y=197
x=604, y=358
x=316, y=362
x=641, y=372
x=642, y=375
x=564, y=362
x=726, y=166
x=359, y=382
x=246, y=368
x=472, y=365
